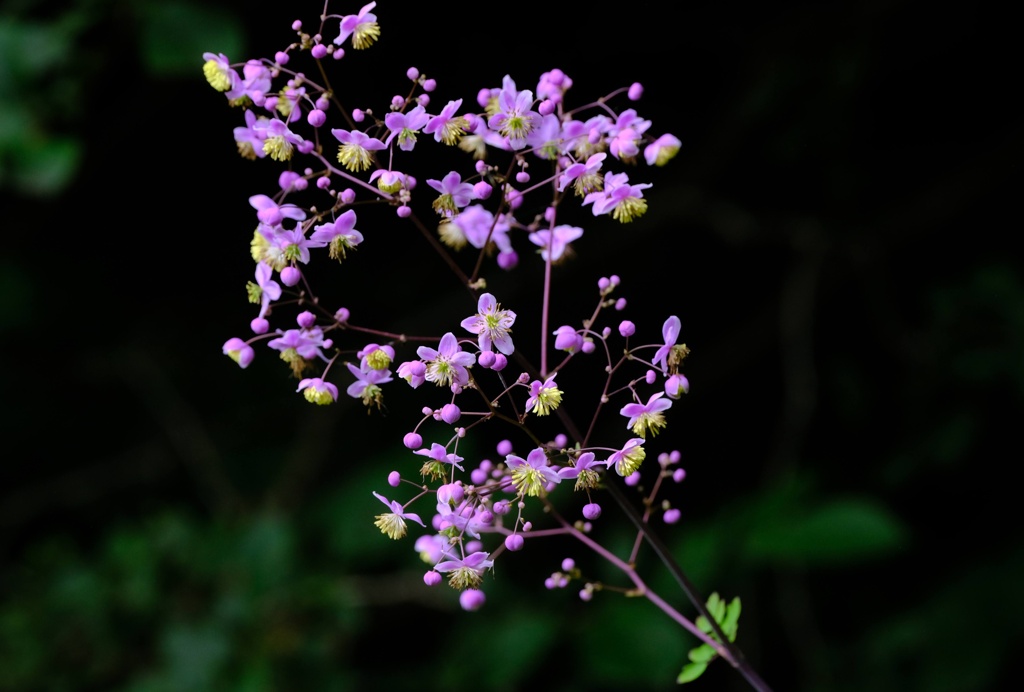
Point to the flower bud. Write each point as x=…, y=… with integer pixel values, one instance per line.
x=412, y=73
x=290, y=276
x=636, y=90
x=412, y=440
x=522, y=177
x=316, y=118
x=678, y=475
x=429, y=84
x=472, y=599
x=394, y=479
x=671, y=516
x=651, y=377
x=627, y=328
x=259, y=326
x=432, y=578
x=514, y=542
x=482, y=190
x=306, y=319
x=486, y=359
x=319, y=51
x=620, y=304
x=500, y=361
x=568, y=564
x=591, y=511
x=342, y=315
x=281, y=58
x=508, y=260
x=450, y=413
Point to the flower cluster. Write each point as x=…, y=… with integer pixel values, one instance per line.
x=495, y=206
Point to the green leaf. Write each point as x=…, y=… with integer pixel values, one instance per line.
x=702, y=654
x=690, y=672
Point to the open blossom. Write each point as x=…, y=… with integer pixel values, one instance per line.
x=354, y=152
x=466, y=572
x=662, y=150
x=249, y=139
x=338, y=236
x=239, y=351
x=567, y=339
x=649, y=417
x=392, y=524
x=218, y=71
x=531, y=475
x=447, y=364
x=455, y=194
x=624, y=201
x=362, y=27
x=278, y=141
x=438, y=456
x=628, y=459
x=404, y=126
x=586, y=177
x=556, y=240
x=514, y=118
x=545, y=396
x=670, y=355
x=584, y=470
x=492, y=324
x=367, y=384
x=446, y=126
x=414, y=372
x=270, y=213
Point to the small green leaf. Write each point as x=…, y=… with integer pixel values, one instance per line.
x=702, y=654
x=690, y=672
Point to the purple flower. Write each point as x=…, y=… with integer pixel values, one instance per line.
x=649, y=417
x=446, y=126
x=441, y=455
x=271, y=214
x=545, y=396
x=317, y=391
x=354, y=152
x=662, y=150
x=414, y=372
x=532, y=475
x=514, y=119
x=624, y=201
x=339, y=236
x=669, y=332
x=249, y=138
x=492, y=324
x=563, y=235
x=447, y=365
x=584, y=470
x=367, y=384
x=455, y=194
x=265, y=289
x=278, y=141
x=628, y=459
x=362, y=27
x=392, y=524
x=466, y=572
x=566, y=339
x=237, y=350
x=405, y=126
x=586, y=177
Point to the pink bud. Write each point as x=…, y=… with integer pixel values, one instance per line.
x=678, y=475
x=423, y=100
x=561, y=440
x=316, y=118
x=508, y=260
x=412, y=440
x=588, y=346
x=633, y=478
x=397, y=102
x=620, y=304
x=568, y=564
x=290, y=276
x=546, y=107
x=486, y=359
x=297, y=25
x=259, y=326
x=671, y=516
x=504, y=448
x=651, y=377
x=429, y=85
x=358, y=115
x=339, y=53
x=586, y=594
x=412, y=73
x=348, y=195
x=281, y=58
x=306, y=319
x=342, y=315
x=404, y=211
x=432, y=578
x=319, y=51
x=522, y=177
x=627, y=328
x=591, y=511
x=323, y=103
x=394, y=479
x=482, y=190
x=450, y=413
x=502, y=507
x=514, y=542
x=323, y=182
x=472, y=599
x=636, y=90
x=603, y=283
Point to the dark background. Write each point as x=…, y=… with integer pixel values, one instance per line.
x=835, y=236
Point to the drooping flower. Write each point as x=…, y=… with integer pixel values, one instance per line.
x=404, y=126
x=237, y=350
x=649, y=417
x=278, y=141
x=466, y=572
x=628, y=459
x=439, y=456
x=586, y=177
x=265, y=289
x=338, y=236
x=317, y=391
x=455, y=194
x=367, y=384
x=531, y=475
x=218, y=71
x=545, y=396
x=447, y=365
x=249, y=139
x=662, y=150
x=270, y=213
x=492, y=325
x=446, y=126
x=362, y=27
x=354, y=152
x=584, y=471
x=556, y=240
x=392, y=524
x=670, y=355
x=624, y=201
x=567, y=339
